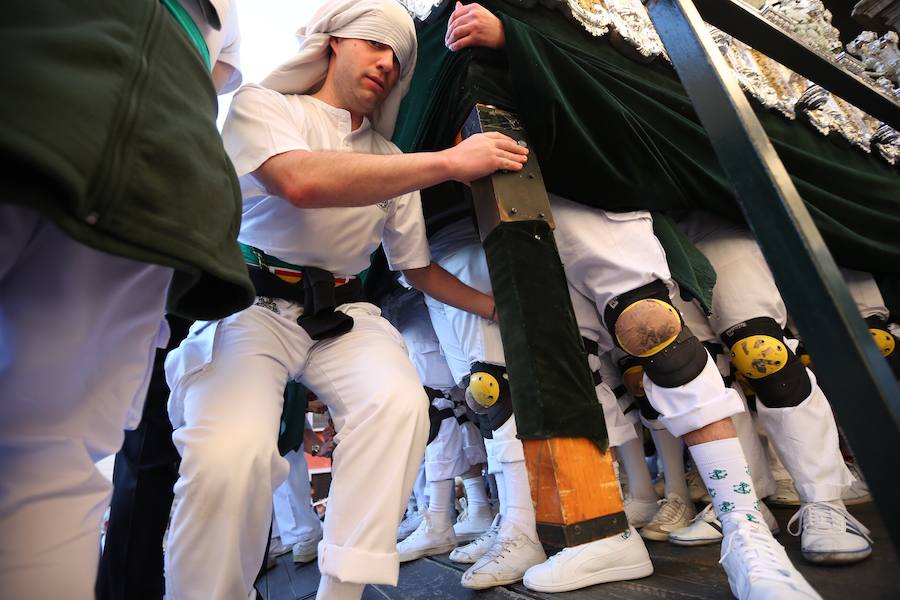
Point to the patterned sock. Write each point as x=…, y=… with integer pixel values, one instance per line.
x=726, y=474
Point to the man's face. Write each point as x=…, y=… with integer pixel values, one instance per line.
x=364, y=72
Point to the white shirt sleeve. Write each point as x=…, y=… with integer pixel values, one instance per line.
x=405, y=242
x=260, y=125
x=230, y=53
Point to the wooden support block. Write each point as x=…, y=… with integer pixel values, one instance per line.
x=574, y=490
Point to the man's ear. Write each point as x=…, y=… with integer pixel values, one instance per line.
x=333, y=43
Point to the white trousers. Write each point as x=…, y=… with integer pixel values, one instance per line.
x=806, y=435
x=227, y=380
x=606, y=254
x=294, y=515
x=78, y=333
x=444, y=457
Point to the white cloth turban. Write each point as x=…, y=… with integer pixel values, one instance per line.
x=384, y=21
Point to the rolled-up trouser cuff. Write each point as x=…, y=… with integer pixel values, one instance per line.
x=440, y=470
x=696, y=404
x=506, y=447
x=351, y=565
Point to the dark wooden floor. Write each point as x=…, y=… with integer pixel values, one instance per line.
x=680, y=573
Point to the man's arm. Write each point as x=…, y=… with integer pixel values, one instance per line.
x=434, y=281
x=330, y=179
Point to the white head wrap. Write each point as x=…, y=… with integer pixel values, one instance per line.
x=384, y=21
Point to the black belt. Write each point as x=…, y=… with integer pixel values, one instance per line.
x=318, y=294
x=593, y=349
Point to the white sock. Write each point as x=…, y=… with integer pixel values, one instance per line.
x=501, y=492
x=631, y=457
x=419, y=490
x=519, y=509
x=671, y=450
x=754, y=452
x=726, y=474
x=439, y=504
x=332, y=589
x=476, y=495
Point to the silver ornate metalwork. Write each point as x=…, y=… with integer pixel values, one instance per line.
x=420, y=9
x=592, y=15
x=631, y=21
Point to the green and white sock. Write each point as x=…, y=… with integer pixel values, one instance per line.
x=726, y=474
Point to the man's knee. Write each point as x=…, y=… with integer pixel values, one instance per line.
x=761, y=357
x=645, y=324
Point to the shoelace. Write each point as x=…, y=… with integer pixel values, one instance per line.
x=759, y=554
x=668, y=510
x=499, y=548
x=701, y=516
x=481, y=538
x=821, y=516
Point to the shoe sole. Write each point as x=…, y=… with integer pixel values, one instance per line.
x=694, y=541
x=855, y=501
x=640, y=571
x=428, y=552
x=306, y=558
x=654, y=536
x=836, y=558
x=475, y=586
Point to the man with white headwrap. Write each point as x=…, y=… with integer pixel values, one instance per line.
x=322, y=188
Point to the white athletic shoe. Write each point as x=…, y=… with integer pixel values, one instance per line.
x=470, y=553
x=640, y=512
x=707, y=529
x=785, y=494
x=758, y=567
x=617, y=558
x=472, y=521
x=829, y=534
x=409, y=524
x=505, y=562
x=305, y=551
x=858, y=492
x=696, y=487
x=674, y=513
x=427, y=540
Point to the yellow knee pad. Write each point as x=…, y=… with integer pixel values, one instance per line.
x=647, y=326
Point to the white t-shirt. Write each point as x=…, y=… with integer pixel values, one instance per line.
x=263, y=123
x=224, y=44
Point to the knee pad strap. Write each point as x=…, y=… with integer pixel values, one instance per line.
x=766, y=363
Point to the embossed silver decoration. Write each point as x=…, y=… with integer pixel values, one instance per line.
x=631, y=21
x=592, y=15
x=880, y=56
x=886, y=144
x=809, y=20
x=420, y=9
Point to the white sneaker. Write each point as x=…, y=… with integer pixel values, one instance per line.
x=505, y=562
x=785, y=494
x=305, y=551
x=640, y=512
x=617, y=558
x=472, y=521
x=707, y=529
x=758, y=567
x=674, y=513
x=829, y=534
x=427, y=540
x=696, y=487
x=409, y=524
x=470, y=553
x=858, y=492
